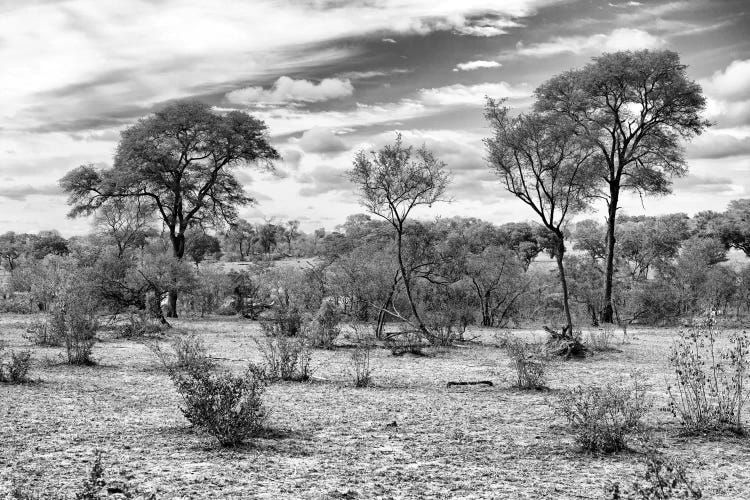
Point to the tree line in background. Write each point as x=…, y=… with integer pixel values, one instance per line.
x=617, y=124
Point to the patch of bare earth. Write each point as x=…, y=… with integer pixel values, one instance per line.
x=409, y=436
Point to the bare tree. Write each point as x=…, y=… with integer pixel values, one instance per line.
x=636, y=108
x=544, y=164
x=126, y=221
x=392, y=182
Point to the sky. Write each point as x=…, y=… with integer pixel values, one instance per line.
x=332, y=77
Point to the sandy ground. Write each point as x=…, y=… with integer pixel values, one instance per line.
x=331, y=440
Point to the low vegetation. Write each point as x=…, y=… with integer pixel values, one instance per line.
x=602, y=418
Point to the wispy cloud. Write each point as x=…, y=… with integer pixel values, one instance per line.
x=618, y=39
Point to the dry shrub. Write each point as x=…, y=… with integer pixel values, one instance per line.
x=14, y=366
x=711, y=384
x=188, y=355
x=229, y=407
x=601, y=339
x=94, y=487
x=603, y=418
x=73, y=321
x=284, y=321
x=324, y=328
x=663, y=479
x=530, y=361
x=42, y=333
x=139, y=323
x=285, y=359
x=360, y=367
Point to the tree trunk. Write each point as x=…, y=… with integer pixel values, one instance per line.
x=407, y=285
x=559, y=253
x=486, y=311
x=607, y=311
x=178, y=250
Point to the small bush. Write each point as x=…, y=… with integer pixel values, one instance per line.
x=285, y=321
x=73, y=320
x=229, y=407
x=324, y=328
x=14, y=367
x=93, y=484
x=529, y=361
x=601, y=339
x=139, y=324
x=94, y=487
x=663, y=479
x=360, y=368
x=188, y=355
x=42, y=333
x=711, y=386
x=285, y=359
x=602, y=418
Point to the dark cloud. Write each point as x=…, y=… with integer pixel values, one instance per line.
x=20, y=193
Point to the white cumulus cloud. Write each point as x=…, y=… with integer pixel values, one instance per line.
x=287, y=89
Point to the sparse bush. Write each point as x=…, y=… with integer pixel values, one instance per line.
x=360, y=367
x=139, y=323
x=324, y=328
x=93, y=484
x=529, y=361
x=73, y=321
x=285, y=321
x=42, y=333
x=188, y=355
x=285, y=359
x=603, y=417
x=711, y=386
x=601, y=339
x=663, y=479
x=14, y=366
x=227, y=406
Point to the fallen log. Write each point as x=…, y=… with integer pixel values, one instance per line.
x=478, y=382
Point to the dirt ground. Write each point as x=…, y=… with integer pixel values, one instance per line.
x=331, y=440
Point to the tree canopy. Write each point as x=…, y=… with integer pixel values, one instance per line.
x=636, y=108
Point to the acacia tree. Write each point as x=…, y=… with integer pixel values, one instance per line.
x=544, y=164
x=392, y=182
x=635, y=108
x=178, y=161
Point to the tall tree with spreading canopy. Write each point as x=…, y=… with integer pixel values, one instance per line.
x=392, y=182
x=636, y=108
x=544, y=164
x=179, y=162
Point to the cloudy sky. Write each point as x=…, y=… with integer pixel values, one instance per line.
x=330, y=77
